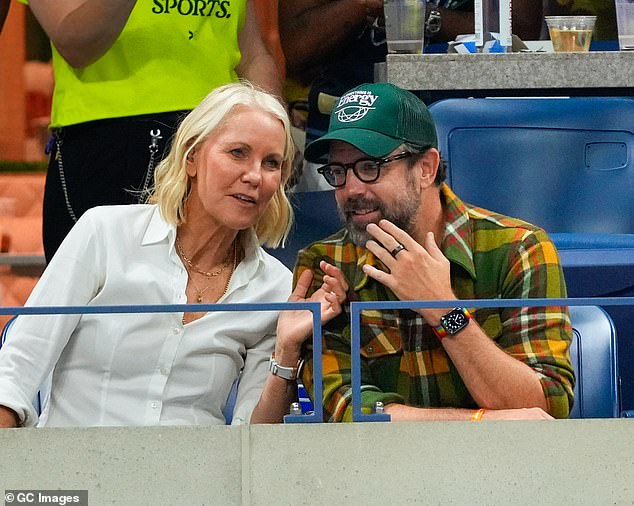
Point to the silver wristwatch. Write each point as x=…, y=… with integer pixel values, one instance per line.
x=287, y=373
x=433, y=22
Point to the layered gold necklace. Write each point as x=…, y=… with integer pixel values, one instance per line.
x=190, y=266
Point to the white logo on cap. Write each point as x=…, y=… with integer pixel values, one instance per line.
x=360, y=104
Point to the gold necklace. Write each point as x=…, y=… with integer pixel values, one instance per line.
x=199, y=292
x=233, y=267
x=194, y=267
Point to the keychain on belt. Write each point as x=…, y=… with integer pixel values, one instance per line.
x=153, y=147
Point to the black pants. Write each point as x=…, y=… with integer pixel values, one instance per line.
x=103, y=162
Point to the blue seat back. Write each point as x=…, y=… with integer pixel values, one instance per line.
x=594, y=357
x=565, y=164
x=231, y=402
x=315, y=218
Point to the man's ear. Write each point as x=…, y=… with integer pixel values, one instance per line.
x=428, y=165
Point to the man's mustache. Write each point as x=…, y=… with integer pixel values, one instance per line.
x=353, y=205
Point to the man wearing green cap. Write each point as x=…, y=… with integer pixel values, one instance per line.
x=407, y=236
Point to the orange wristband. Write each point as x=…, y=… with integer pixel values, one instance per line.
x=477, y=415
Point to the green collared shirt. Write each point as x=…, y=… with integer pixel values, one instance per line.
x=492, y=256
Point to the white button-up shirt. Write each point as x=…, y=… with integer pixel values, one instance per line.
x=138, y=369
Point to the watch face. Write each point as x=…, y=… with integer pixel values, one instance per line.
x=434, y=22
x=454, y=321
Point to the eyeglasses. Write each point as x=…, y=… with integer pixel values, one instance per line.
x=367, y=170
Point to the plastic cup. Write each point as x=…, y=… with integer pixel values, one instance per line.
x=625, y=23
x=571, y=34
x=404, y=25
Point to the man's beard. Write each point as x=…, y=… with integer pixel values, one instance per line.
x=402, y=213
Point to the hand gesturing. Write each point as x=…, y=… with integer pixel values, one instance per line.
x=416, y=271
x=293, y=327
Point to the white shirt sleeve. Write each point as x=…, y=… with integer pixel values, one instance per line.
x=35, y=342
x=252, y=379
x=277, y=280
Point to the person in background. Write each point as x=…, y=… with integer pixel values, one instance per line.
x=126, y=71
x=407, y=236
x=605, y=11
x=218, y=196
x=334, y=44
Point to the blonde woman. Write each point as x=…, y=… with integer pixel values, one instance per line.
x=218, y=196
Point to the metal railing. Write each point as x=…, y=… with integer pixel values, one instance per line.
x=316, y=416
x=355, y=319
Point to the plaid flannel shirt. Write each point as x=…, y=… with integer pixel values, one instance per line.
x=492, y=256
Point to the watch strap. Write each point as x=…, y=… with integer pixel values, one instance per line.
x=284, y=372
x=440, y=331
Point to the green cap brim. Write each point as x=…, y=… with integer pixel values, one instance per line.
x=372, y=143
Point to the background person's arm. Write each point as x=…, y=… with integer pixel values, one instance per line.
x=257, y=63
x=310, y=30
x=527, y=21
x=82, y=30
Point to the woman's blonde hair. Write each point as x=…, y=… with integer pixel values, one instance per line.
x=172, y=184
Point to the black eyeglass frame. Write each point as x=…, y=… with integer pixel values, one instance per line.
x=353, y=166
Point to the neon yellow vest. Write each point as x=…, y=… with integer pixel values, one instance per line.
x=170, y=54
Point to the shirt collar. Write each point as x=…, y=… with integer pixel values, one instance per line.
x=159, y=230
x=364, y=257
x=457, y=243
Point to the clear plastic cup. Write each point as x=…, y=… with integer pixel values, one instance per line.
x=571, y=34
x=404, y=25
x=625, y=23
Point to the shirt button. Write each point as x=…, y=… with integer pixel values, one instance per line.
x=165, y=371
x=370, y=349
x=175, y=331
x=154, y=404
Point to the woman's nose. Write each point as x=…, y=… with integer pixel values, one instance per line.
x=253, y=174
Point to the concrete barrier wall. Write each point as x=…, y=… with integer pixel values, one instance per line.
x=561, y=462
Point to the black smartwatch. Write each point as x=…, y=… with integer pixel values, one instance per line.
x=452, y=322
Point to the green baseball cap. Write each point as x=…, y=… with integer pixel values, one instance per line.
x=376, y=118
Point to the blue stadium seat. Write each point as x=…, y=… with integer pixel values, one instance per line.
x=565, y=164
x=594, y=357
x=315, y=218
x=597, y=265
x=231, y=402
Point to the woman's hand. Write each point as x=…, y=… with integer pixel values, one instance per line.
x=293, y=327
